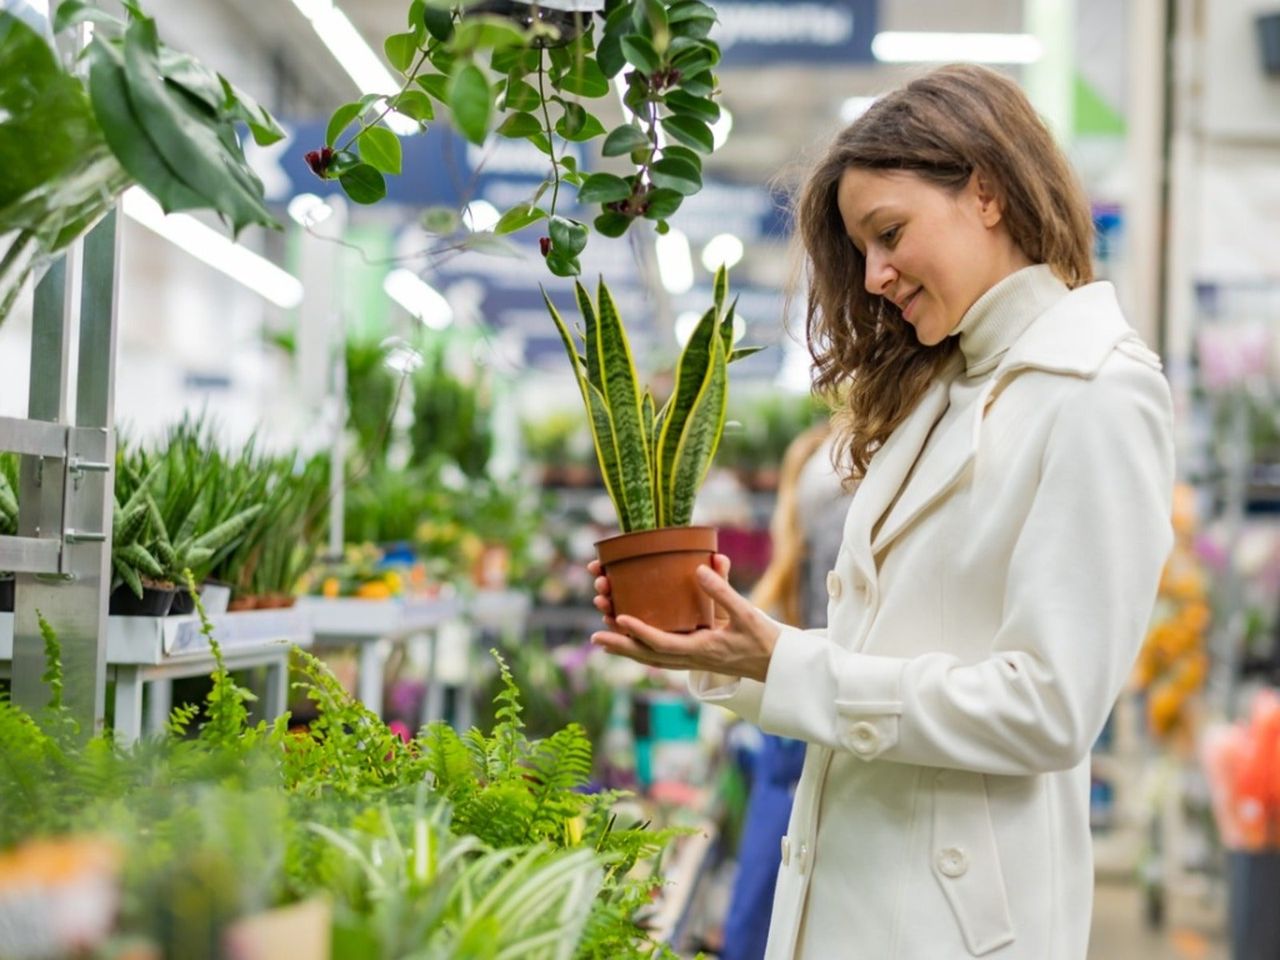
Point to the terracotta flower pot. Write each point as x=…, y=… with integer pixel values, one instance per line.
x=652, y=576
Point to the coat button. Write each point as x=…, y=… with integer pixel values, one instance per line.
x=786, y=851
x=864, y=738
x=802, y=860
x=833, y=584
x=953, y=862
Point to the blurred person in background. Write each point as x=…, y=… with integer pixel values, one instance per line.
x=805, y=534
x=999, y=562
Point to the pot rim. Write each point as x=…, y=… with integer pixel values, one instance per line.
x=638, y=543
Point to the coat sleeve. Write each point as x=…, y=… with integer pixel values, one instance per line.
x=1078, y=596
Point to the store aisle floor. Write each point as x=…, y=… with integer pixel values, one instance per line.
x=1120, y=931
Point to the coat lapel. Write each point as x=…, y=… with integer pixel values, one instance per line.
x=888, y=471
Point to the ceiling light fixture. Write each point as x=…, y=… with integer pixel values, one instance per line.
x=854, y=107
x=675, y=262
x=722, y=250
x=355, y=56
x=204, y=243
x=308, y=210
x=418, y=297
x=721, y=129
x=480, y=216
x=903, y=47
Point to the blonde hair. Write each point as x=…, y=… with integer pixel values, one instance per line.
x=942, y=127
x=778, y=589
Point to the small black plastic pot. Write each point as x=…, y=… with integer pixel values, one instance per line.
x=525, y=15
x=183, y=603
x=155, y=602
x=7, y=588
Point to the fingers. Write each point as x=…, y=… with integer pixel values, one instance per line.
x=602, y=585
x=594, y=568
x=715, y=586
x=615, y=641
x=721, y=564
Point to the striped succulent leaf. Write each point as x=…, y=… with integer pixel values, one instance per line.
x=622, y=398
x=700, y=437
x=691, y=373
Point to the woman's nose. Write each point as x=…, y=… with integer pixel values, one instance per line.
x=880, y=275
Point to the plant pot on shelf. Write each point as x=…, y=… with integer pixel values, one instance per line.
x=652, y=576
x=7, y=592
x=183, y=604
x=155, y=601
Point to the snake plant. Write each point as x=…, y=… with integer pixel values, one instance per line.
x=653, y=459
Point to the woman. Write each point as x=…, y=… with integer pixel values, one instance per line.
x=1000, y=557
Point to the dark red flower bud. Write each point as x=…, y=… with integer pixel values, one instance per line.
x=318, y=160
x=544, y=244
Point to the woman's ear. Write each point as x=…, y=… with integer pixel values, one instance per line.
x=990, y=208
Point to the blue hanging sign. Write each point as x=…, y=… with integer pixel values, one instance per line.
x=756, y=32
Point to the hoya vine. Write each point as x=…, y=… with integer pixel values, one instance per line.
x=527, y=78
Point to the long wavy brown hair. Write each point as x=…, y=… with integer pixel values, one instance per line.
x=943, y=127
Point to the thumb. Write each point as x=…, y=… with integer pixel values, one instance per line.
x=721, y=563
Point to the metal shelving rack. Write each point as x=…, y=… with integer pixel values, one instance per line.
x=61, y=554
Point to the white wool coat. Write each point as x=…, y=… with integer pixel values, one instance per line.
x=952, y=701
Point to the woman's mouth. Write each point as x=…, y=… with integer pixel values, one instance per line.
x=910, y=303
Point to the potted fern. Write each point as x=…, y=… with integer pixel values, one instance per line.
x=653, y=460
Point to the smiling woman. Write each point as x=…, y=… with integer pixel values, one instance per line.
x=998, y=563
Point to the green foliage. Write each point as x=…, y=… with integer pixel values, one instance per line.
x=131, y=111
x=451, y=415
x=653, y=461
x=241, y=817
x=8, y=494
x=530, y=77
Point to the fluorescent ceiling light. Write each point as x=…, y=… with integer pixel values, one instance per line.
x=480, y=215
x=675, y=262
x=307, y=209
x=896, y=47
x=204, y=243
x=423, y=301
x=355, y=56
x=854, y=107
x=721, y=129
x=723, y=250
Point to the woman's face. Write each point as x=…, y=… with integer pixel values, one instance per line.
x=930, y=251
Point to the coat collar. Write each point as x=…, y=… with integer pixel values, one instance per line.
x=1073, y=338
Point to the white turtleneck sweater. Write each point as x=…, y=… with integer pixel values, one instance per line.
x=987, y=331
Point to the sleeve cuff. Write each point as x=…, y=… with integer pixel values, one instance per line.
x=733, y=693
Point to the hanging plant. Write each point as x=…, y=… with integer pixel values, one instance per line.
x=528, y=72
x=128, y=110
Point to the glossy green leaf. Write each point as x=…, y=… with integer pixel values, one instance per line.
x=695, y=59
x=563, y=264
x=240, y=106
x=363, y=183
x=519, y=217
x=604, y=188
x=515, y=59
x=471, y=102
x=401, y=50
x=743, y=352
x=484, y=31
x=685, y=154
x=611, y=224
x=206, y=160
x=415, y=105
x=436, y=84
x=569, y=237
x=520, y=95
x=689, y=131
x=640, y=53
x=381, y=148
x=439, y=22
x=341, y=119
x=585, y=79
x=700, y=84
x=662, y=203
x=577, y=125
x=684, y=10
x=609, y=56
x=622, y=140
x=519, y=125
x=708, y=111
x=676, y=174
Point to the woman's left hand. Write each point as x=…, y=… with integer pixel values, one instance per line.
x=739, y=645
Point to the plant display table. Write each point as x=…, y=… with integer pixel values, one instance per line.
x=158, y=650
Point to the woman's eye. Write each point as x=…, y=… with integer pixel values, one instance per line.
x=889, y=237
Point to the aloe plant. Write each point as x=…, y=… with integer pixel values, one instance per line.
x=8, y=494
x=132, y=558
x=653, y=460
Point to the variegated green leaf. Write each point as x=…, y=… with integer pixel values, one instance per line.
x=140, y=558
x=743, y=352
x=128, y=576
x=700, y=437
x=648, y=408
x=726, y=327
x=597, y=416
x=691, y=373
x=589, y=322
x=622, y=396
x=721, y=288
